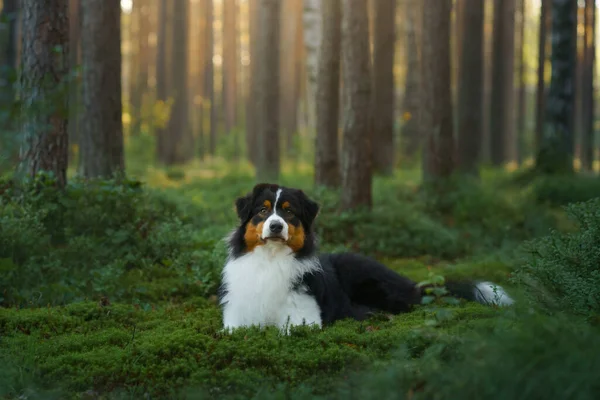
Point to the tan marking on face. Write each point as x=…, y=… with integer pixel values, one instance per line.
x=267, y=204
x=296, y=237
x=285, y=205
x=252, y=236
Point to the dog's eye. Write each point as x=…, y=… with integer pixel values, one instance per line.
x=263, y=210
x=289, y=211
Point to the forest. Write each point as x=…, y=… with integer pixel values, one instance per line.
x=447, y=139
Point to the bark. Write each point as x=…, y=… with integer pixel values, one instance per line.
x=230, y=57
x=411, y=130
x=356, y=148
x=502, y=81
x=180, y=142
x=101, y=120
x=44, y=88
x=74, y=63
x=588, y=103
x=383, y=86
x=161, y=74
x=209, y=76
x=540, y=97
x=200, y=71
x=521, y=103
x=251, y=103
x=9, y=18
x=470, y=87
x=312, y=39
x=556, y=151
x=437, y=98
x=268, y=90
x=140, y=78
x=327, y=164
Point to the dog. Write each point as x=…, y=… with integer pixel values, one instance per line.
x=274, y=275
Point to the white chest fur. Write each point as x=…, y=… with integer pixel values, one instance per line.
x=259, y=289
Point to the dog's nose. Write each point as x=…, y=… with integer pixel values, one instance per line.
x=276, y=227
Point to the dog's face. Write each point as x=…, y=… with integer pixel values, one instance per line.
x=276, y=215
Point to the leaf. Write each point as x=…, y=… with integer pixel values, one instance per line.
x=427, y=299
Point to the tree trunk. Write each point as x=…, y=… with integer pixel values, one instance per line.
x=199, y=94
x=383, y=86
x=229, y=64
x=312, y=38
x=161, y=75
x=179, y=139
x=521, y=103
x=543, y=43
x=588, y=103
x=356, y=149
x=327, y=165
x=140, y=79
x=502, y=81
x=556, y=151
x=437, y=104
x=470, y=87
x=102, y=126
x=268, y=90
x=210, y=80
x=411, y=116
x=44, y=78
x=251, y=104
x=74, y=62
x=9, y=19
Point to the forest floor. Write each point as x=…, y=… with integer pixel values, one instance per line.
x=124, y=306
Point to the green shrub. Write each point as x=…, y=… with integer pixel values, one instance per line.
x=562, y=190
x=562, y=270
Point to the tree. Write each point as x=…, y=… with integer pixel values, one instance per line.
x=540, y=97
x=161, y=74
x=327, y=167
x=74, y=62
x=521, y=103
x=209, y=76
x=589, y=44
x=179, y=143
x=555, y=154
x=268, y=90
x=437, y=98
x=383, y=86
x=101, y=120
x=502, y=80
x=9, y=18
x=251, y=101
x=312, y=38
x=230, y=62
x=202, y=59
x=44, y=85
x=140, y=13
x=356, y=75
x=470, y=87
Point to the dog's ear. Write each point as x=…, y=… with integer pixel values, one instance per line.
x=259, y=188
x=310, y=208
x=243, y=206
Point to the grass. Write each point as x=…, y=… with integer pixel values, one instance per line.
x=144, y=323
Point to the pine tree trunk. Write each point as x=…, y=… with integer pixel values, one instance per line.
x=229, y=64
x=9, y=18
x=437, y=104
x=74, y=62
x=540, y=97
x=556, y=151
x=210, y=80
x=180, y=141
x=327, y=164
x=44, y=80
x=200, y=84
x=312, y=39
x=502, y=81
x=101, y=120
x=140, y=79
x=588, y=103
x=356, y=148
x=470, y=88
x=383, y=86
x=268, y=91
x=161, y=75
x=411, y=105
x=521, y=103
x=251, y=102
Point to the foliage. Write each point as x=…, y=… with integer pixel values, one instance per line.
x=562, y=270
x=564, y=189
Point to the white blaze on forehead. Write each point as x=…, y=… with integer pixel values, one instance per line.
x=266, y=231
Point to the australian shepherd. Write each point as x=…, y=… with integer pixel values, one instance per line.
x=275, y=276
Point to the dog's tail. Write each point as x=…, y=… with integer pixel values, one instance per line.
x=483, y=292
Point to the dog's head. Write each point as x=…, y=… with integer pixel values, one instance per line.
x=275, y=215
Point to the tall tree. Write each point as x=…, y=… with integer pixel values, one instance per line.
x=44, y=78
x=251, y=101
x=74, y=61
x=140, y=13
x=543, y=43
x=588, y=103
x=230, y=63
x=210, y=79
x=502, y=80
x=327, y=164
x=437, y=97
x=199, y=92
x=312, y=38
x=179, y=141
x=555, y=154
x=383, y=86
x=268, y=93
x=411, y=104
x=161, y=74
x=521, y=90
x=9, y=18
x=101, y=120
x=470, y=87
x=356, y=66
